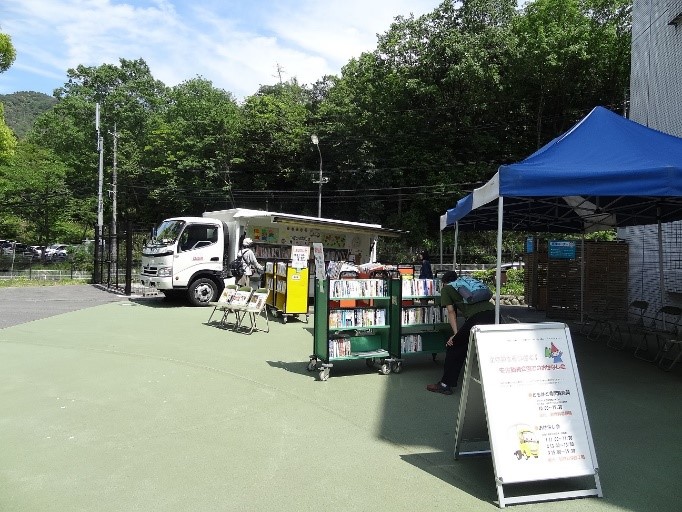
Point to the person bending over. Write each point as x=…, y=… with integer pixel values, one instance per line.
x=457, y=345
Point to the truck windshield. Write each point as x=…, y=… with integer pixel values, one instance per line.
x=167, y=232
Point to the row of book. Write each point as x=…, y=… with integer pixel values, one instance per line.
x=339, y=347
x=358, y=288
x=410, y=343
x=280, y=266
x=424, y=315
x=420, y=287
x=357, y=318
x=266, y=252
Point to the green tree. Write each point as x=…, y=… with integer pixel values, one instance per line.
x=7, y=140
x=192, y=149
x=7, y=52
x=275, y=141
x=573, y=55
x=412, y=117
x=34, y=198
x=129, y=96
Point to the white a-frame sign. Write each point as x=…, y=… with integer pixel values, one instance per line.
x=522, y=402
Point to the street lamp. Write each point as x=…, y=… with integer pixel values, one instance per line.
x=322, y=180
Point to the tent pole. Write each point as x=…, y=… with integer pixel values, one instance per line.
x=582, y=279
x=498, y=273
x=441, y=247
x=454, y=252
x=661, y=276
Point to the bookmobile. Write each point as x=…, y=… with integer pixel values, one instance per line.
x=189, y=256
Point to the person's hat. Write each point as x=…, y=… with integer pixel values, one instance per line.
x=247, y=242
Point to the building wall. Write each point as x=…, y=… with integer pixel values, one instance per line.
x=656, y=101
x=656, y=65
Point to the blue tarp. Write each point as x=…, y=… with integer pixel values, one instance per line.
x=606, y=171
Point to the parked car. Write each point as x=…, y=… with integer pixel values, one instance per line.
x=56, y=252
x=16, y=248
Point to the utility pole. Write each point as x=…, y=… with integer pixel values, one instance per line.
x=99, y=250
x=280, y=70
x=315, y=140
x=114, y=191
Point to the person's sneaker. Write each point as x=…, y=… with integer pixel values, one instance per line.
x=439, y=387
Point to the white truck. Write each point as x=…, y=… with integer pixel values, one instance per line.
x=190, y=255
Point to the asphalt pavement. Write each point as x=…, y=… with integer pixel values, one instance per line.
x=19, y=305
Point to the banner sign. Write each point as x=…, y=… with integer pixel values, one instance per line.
x=561, y=250
x=318, y=253
x=534, y=407
x=299, y=256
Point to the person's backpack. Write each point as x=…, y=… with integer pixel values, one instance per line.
x=472, y=290
x=238, y=266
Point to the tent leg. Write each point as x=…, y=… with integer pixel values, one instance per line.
x=454, y=252
x=498, y=273
x=661, y=276
x=441, y=247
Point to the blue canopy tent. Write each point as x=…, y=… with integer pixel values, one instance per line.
x=605, y=172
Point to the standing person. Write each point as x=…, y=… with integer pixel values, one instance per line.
x=457, y=345
x=253, y=269
x=425, y=271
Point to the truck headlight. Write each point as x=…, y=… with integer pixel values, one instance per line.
x=164, y=272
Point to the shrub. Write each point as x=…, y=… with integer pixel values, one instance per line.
x=513, y=286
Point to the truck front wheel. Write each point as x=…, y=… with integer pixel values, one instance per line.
x=202, y=291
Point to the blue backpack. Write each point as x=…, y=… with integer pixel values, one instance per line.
x=472, y=290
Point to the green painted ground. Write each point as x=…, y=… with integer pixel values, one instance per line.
x=142, y=406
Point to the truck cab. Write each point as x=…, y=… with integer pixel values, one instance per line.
x=186, y=256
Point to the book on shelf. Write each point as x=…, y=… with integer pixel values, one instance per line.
x=424, y=315
x=410, y=343
x=269, y=267
x=342, y=288
x=420, y=287
x=339, y=347
x=367, y=317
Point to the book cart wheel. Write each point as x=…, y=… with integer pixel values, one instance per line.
x=312, y=364
x=385, y=368
x=397, y=366
x=369, y=362
x=284, y=318
x=324, y=374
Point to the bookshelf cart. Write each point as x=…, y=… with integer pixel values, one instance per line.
x=421, y=324
x=288, y=289
x=352, y=321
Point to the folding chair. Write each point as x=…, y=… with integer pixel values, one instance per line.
x=599, y=319
x=634, y=324
x=666, y=356
x=256, y=307
x=664, y=327
x=238, y=303
x=223, y=300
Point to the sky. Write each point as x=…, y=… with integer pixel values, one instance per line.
x=236, y=44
